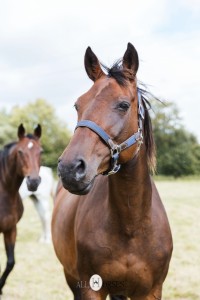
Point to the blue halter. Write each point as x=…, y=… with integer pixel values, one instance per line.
x=114, y=148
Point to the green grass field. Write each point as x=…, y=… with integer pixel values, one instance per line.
x=182, y=202
x=38, y=275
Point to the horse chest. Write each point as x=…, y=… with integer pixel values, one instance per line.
x=132, y=273
x=122, y=267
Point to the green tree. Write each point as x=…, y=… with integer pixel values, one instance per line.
x=55, y=135
x=178, y=151
x=6, y=130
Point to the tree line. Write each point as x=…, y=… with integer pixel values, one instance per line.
x=55, y=134
x=178, y=151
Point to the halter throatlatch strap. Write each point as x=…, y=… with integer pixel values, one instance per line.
x=114, y=148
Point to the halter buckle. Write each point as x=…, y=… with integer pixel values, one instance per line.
x=114, y=170
x=114, y=151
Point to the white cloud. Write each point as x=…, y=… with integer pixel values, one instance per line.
x=42, y=44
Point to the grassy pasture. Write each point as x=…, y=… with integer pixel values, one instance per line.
x=38, y=275
x=182, y=202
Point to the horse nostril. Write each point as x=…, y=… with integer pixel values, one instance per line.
x=59, y=159
x=80, y=169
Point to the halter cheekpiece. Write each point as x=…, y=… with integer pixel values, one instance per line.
x=114, y=148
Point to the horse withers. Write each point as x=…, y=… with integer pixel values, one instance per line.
x=17, y=160
x=109, y=228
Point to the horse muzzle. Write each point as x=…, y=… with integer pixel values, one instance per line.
x=74, y=176
x=33, y=183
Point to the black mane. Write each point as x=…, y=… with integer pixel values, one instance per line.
x=6, y=149
x=30, y=136
x=118, y=73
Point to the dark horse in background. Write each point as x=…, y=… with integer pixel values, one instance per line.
x=113, y=226
x=17, y=160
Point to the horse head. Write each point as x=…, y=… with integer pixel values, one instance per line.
x=28, y=156
x=107, y=116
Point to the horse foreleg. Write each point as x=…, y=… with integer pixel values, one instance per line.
x=9, y=241
x=74, y=286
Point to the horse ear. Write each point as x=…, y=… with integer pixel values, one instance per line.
x=92, y=65
x=38, y=131
x=130, y=59
x=21, y=131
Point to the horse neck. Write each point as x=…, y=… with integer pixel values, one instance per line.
x=130, y=195
x=10, y=177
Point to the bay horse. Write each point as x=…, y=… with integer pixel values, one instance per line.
x=17, y=160
x=109, y=224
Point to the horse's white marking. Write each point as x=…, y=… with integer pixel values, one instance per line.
x=30, y=145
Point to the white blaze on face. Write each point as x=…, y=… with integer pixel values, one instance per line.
x=30, y=145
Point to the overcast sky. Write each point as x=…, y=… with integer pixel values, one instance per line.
x=43, y=42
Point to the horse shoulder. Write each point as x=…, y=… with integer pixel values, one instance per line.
x=71, y=212
x=63, y=221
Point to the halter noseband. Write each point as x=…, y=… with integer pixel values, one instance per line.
x=114, y=148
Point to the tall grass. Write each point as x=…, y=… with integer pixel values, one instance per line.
x=39, y=276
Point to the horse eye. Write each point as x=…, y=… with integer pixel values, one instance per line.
x=76, y=107
x=123, y=106
x=20, y=151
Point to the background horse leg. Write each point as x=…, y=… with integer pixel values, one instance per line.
x=9, y=241
x=43, y=210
